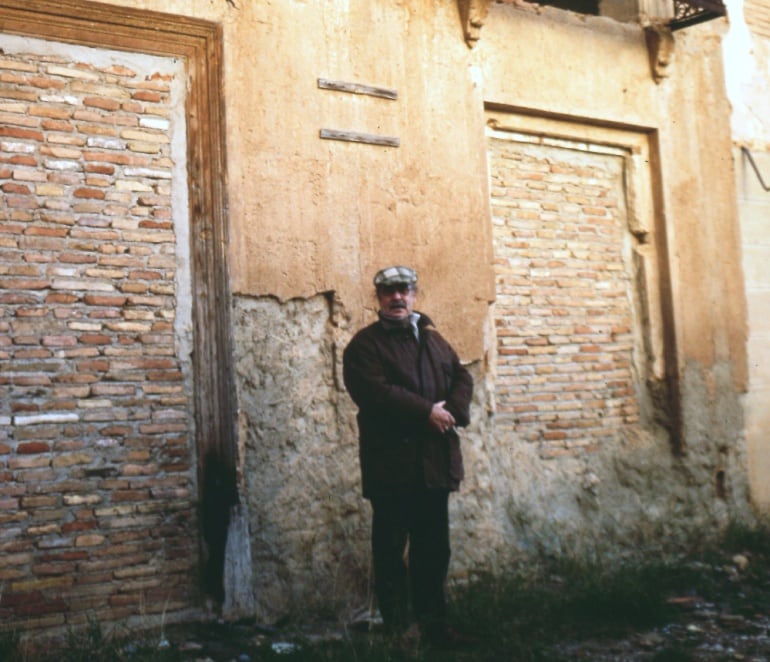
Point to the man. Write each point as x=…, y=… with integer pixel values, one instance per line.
x=412, y=393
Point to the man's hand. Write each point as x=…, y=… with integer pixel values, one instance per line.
x=440, y=419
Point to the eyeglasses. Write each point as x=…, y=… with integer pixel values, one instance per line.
x=401, y=288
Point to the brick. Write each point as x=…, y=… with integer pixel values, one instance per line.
x=143, y=585
x=68, y=460
x=104, y=300
x=53, y=569
x=129, y=495
x=16, y=188
x=59, y=341
x=100, y=168
x=46, y=232
x=36, y=531
x=102, y=103
x=17, y=65
x=70, y=72
x=69, y=555
x=15, y=517
x=83, y=284
x=55, y=417
x=89, y=193
x=31, y=312
x=21, y=133
x=89, y=540
x=79, y=526
x=95, y=339
x=147, y=95
x=33, y=447
x=29, y=585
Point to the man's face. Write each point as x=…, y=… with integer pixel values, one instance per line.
x=396, y=301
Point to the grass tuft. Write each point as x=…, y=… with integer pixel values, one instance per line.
x=566, y=599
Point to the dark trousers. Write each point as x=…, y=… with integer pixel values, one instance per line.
x=420, y=518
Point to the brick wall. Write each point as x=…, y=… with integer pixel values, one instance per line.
x=563, y=313
x=96, y=466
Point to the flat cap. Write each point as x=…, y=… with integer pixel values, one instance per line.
x=395, y=276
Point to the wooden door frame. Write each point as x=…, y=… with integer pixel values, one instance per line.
x=199, y=43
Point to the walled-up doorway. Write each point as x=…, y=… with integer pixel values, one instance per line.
x=579, y=314
x=118, y=398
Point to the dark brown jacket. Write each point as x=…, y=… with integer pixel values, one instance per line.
x=395, y=381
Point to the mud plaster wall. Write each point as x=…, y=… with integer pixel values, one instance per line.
x=309, y=526
x=310, y=216
x=309, y=523
x=299, y=455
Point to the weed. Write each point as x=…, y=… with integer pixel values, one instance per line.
x=9, y=646
x=741, y=537
x=525, y=614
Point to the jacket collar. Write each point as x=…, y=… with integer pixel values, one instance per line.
x=417, y=322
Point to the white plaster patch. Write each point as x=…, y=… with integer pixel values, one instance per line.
x=38, y=419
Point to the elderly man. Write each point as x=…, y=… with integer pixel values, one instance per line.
x=412, y=393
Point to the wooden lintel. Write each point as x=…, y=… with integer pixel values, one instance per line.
x=357, y=137
x=357, y=88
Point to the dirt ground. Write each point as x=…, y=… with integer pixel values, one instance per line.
x=734, y=627
x=732, y=623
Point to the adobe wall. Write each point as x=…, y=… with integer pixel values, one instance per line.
x=310, y=220
x=371, y=206
x=632, y=491
x=746, y=54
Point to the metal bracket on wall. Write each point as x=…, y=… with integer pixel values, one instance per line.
x=747, y=153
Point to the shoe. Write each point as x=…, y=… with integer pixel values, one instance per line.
x=447, y=638
x=409, y=641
